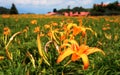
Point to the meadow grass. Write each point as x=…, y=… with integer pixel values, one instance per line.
x=24, y=46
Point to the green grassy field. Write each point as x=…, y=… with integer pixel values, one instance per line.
x=20, y=55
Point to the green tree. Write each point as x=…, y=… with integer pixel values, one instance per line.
x=76, y=9
x=13, y=9
x=4, y=10
x=54, y=10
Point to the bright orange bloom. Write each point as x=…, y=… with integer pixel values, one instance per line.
x=37, y=29
x=49, y=34
x=77, y=52
x=34, y=22
x=6, y=31
x=47, y=26
x=62, y=36
x=80, y=29
x=106, y=28
x=76, y=30
x=54, y=24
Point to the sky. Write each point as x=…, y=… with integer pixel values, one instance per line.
x=45, y=6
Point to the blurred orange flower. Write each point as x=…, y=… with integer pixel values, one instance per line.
x=62, y=36
x=54, y=24
x=6, y=31
x=76, y=30
x=49, y=34
x=2, y=57
x=105, y=28
x=34, y=22
x=47, y=26
x=37, y=29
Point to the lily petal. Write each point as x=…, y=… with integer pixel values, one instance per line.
x=93, y=50
x=82, y=49
x=85, y=61
x=66, y=53
x=76, y=30
x=74, y=57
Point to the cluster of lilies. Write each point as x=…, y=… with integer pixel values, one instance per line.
x=63, y=37
x=69, y=39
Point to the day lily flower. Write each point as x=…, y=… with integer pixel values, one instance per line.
x=105, y=28
x=62, y=36
x=81, y=29
x=71, y=47
x=53, y=34
x=47, y=26
x=54, y=24
x=37, y=29
x=34, y=22
x=78, y=29
x=6, y=31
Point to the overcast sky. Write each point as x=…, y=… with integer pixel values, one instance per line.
x=44, y=6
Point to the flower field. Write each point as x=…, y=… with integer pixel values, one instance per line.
x=59, y=45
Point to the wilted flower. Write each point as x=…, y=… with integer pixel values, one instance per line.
x=2, y=57
x=108, y=36
x=26, y=29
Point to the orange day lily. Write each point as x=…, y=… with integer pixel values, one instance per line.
x=34, y=22
x=81, y=29
x=71, y=47
x=47, y=26
x=37, y=29
x=6, y=31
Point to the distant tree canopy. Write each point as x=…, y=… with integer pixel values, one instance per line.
x=109, y=9
x=4, y=10
x=98, y=9
x=75, y=9
x=13, y=9
x=54, y=10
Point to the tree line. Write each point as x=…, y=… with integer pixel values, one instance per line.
x=12, y=10
x=97, y=10
x=109, y=9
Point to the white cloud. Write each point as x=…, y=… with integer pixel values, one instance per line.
x=38, y=2
x=45, y=2
x=79, y=3
x=85, y=2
